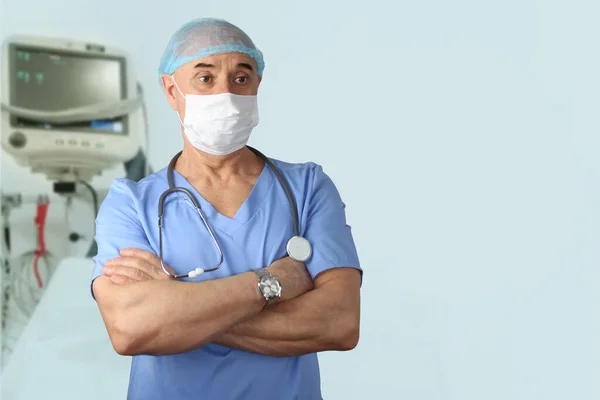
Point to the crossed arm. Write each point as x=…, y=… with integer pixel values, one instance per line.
x=325, y=318
x=147, y=314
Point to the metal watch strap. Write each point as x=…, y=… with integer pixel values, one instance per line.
x=262, y=272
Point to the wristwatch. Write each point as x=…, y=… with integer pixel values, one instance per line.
x=268, y=285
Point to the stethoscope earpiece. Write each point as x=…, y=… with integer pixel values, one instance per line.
x=195, y=273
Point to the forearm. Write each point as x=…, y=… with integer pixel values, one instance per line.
x=316, y=321
x=169, y=317
x=271, y=348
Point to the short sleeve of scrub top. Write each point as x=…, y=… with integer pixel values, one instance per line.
x=326, y=228
x=118, y=226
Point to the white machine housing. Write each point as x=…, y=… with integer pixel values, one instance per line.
x=68, y=154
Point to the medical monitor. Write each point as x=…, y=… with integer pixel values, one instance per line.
x=43, y=78
x=47, y=80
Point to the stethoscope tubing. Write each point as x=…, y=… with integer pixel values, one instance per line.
x=172, y=189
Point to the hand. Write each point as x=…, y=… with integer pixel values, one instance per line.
x=293, y=276
x=135, y=265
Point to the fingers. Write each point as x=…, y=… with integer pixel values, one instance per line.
x=125, y=265
x=144, y=266
x=142, y=254
x=133, y=262
x=121, y=280
x=132, y=273
x=150, y=258
x=137, y=265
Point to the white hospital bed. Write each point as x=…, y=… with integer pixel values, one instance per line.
x=64, y=352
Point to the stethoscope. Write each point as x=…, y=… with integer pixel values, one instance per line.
x=297, y=247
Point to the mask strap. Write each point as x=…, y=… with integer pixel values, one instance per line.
x=178, y=116
x=177, y=86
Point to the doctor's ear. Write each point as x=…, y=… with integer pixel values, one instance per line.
x=170, y=90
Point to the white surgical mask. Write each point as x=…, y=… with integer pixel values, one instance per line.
x=219, y=124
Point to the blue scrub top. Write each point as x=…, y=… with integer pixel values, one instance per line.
x=255, y=237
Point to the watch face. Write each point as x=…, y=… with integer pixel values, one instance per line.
x=270, y=287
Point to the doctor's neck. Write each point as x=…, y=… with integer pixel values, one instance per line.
x=193, y=162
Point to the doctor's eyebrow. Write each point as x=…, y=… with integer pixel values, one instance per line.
x=204, y=65
x=246, y=66
x=240, y=65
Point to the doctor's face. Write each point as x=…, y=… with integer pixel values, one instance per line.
x=234, y=73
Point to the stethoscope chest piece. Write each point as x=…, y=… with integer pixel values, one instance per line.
x=299, y=248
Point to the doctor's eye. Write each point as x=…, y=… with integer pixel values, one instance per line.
x=241, y=79
x=205, y=78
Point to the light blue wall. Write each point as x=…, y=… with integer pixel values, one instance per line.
x=464, y=138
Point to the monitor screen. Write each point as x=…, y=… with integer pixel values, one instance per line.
x=47, y=80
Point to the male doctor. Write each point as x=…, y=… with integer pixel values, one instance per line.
x=250, y=327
